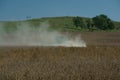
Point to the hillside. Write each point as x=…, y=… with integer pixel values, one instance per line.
x=57, y=23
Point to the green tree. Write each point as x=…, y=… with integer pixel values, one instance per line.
x=103, y=22
x=78, y=22
x=89, y=24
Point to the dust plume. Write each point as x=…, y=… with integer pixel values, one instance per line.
x=26, y=35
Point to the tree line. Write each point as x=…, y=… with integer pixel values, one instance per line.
x=100, y=22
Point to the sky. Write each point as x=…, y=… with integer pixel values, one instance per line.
x=21, y=9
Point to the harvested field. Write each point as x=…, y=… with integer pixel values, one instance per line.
x=102, y=38
x=97, y=61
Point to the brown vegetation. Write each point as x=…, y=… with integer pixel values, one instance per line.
x=60, y=63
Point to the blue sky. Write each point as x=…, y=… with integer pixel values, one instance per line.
x=20, y=9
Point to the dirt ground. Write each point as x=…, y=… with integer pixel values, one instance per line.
x=101, y=38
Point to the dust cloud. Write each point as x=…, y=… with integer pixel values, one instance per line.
x=26, y=35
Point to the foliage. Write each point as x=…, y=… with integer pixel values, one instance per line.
x=78, y=22
x=102, y=22
x=89, y=24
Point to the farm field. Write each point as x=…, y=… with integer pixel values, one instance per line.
x=102, y=38
x=100, y=60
